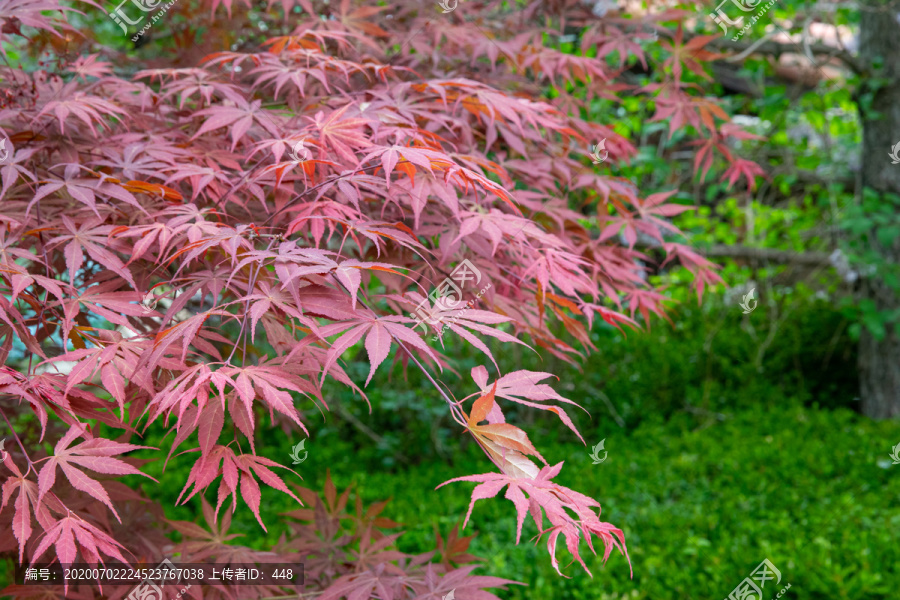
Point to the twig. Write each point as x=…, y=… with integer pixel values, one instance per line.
x=612, y=409
x=750, y=49
x=346, y=414
x=776, y=49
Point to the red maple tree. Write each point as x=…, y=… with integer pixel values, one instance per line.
x=202, y=244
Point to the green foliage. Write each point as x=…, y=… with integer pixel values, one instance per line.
x=873, y=227
x=812, y=491
x=710, y=360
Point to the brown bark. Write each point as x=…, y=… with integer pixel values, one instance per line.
x=773, y=48
x=812, y=259
x=879, y=360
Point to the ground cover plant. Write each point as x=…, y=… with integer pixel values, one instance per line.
x=780, y=482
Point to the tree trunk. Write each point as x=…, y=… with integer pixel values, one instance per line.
x=879, y=360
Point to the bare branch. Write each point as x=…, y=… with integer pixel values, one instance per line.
x=776, y=49
x=769, y=254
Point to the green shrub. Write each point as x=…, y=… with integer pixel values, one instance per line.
x=811, y=490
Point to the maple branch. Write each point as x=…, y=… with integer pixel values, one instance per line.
x=46, y=292
x=16, y=436
x=454, y=407
x=234, y=187
x=326, y=182
x=251, y=284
